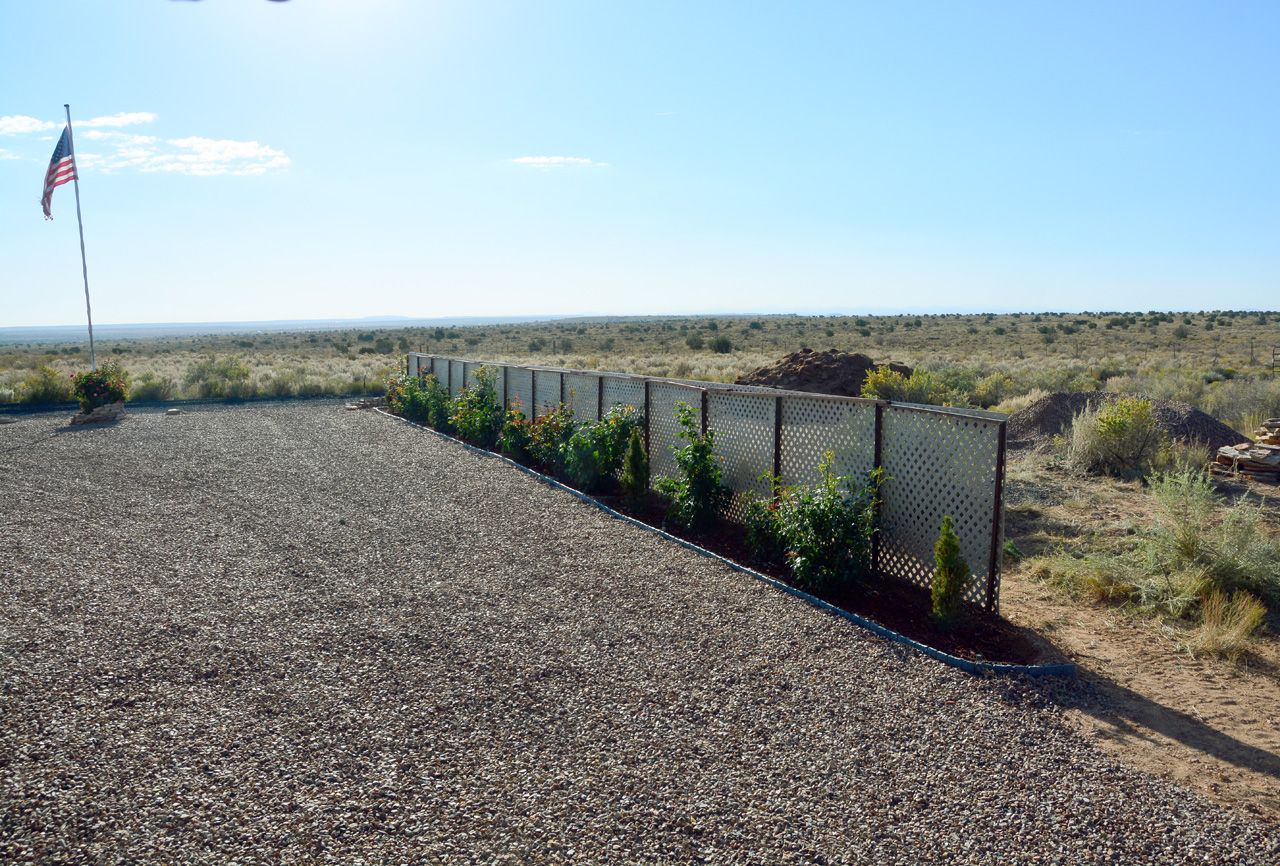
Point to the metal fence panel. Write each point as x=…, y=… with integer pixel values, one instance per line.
x=744, y=426
x=519, y=389
x=937, y=464
x=664, y=427
x=812, y=426
x=547, y=396
x=581, y=393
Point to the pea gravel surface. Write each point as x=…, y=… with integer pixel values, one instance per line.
x=290, y=633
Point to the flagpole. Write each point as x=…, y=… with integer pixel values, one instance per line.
x=84, y=263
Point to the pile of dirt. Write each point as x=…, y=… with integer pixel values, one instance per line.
x=830, y=372
x=1035, y=426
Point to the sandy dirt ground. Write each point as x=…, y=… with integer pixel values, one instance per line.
x=1207, y=724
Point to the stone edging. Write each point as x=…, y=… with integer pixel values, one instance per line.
x=1062, y=670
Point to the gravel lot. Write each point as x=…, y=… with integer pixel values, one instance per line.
x=288, y=633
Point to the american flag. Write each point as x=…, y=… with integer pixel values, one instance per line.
x=62, y=168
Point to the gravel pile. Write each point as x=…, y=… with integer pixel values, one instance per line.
x=292, y=633
x=1034, y=427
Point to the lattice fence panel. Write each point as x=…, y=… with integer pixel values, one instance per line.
x=627, y=392
x=547, y=397
x=433, y=366
x=663, y=426
x=519, y=389
x=743, y=423
x=937, y=465
x=457, y=375
x=812, y=426
x=469, y=373
x=412, y=368
x=581, y=391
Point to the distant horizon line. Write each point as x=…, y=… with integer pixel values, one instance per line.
x=130, y=330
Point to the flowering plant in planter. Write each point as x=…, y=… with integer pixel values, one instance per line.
x=100, y=387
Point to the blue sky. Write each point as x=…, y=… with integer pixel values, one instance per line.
x=247, y=160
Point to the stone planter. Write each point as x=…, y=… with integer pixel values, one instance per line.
x=110, y=412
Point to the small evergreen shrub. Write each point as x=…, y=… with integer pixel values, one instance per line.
x=635, y=467
x=952, y=577
x=100, y=387
x=697, y=496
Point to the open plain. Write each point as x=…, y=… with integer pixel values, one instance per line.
x=284, y=632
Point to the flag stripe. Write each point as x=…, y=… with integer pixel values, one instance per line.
x=62, y=168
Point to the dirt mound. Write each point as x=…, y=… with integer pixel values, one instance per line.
x=1035, y=426
x=830, y=372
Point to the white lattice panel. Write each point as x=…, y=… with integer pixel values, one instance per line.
x=457, y=375
x=469, y=369
x=519, y=384
x=581, y=391
x=744, y=424
x=440, y=369
x=547, y=385
x=411, y=368
x=664, y=428
x=624, y=392
x=937, y=465
x=812, y=426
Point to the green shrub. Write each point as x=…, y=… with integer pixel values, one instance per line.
x=100, y=387
x=209, y=376
x=920, y=387
x=697, y=496
x=593, y=453
x=1120, y=437
x=635, y=467
x=820, y=533
x=951, y=579
x=722, y=345
x=150, y=387
x=44, y=385
x=476, y=413
x=516, y=438
x=436, y=405
x=407, y=398
x=548, y=436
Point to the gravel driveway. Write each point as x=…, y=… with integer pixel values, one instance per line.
x=283, y=632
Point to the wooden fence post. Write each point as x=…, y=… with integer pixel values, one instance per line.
x=993, y=569
x=876, y=536
x=777, y=438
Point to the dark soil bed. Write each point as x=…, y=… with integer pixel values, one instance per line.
x=891, y=602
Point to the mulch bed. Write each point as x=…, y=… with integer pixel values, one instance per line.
x=891, y=602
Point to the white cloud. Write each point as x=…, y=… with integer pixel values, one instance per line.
x=18, y=123
x=124, y=118
x=124, y=150
x=547, y=163
x=4, y=154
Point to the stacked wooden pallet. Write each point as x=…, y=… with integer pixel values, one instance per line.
x=1258, y=461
